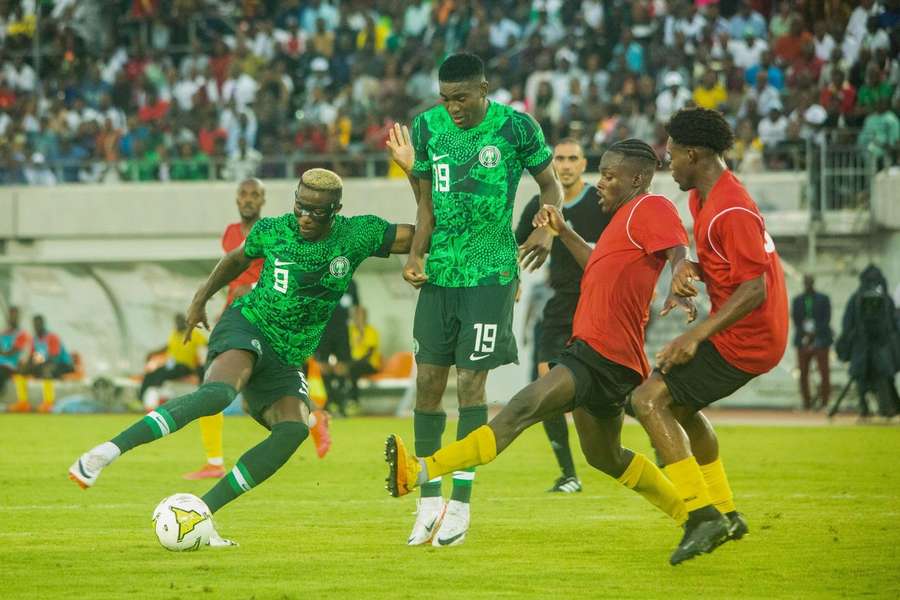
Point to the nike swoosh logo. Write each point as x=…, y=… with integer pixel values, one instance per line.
x=437, y=158
x=281, y=263
x=450, y=540
x=474, y=356
x=81, y=469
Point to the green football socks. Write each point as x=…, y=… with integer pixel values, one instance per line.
x=429, y=427
x=258, y=463
x=208, y=399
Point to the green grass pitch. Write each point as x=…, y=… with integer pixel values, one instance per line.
x=823, y=506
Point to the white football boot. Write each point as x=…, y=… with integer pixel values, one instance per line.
x=217, y=541
x=453, y=528
x=86, y=469
x=429, y=514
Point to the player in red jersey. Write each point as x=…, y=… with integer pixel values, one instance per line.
x=744, y=336
x=605, y=358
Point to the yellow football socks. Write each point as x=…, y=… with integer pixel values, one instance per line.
x=211, y=429
x=21, y=389
x=646, y=479
x=49, y=393
x=717, y=484
x=477, y=448
x=688, y=480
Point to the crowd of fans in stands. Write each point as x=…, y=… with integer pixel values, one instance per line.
x=104, y=90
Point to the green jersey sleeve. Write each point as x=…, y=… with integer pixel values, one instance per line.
x=376, y=234
x=530, y=142
x=419, y=134
x=256, y=239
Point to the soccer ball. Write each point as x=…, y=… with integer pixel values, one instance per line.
x=183, y=523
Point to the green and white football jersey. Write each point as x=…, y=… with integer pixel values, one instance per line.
x=301, y=281
x=474, y=174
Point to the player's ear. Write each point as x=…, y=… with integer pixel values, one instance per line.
x=338, y=207
x=483, y=86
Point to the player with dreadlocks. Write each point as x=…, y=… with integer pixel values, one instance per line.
x=744, y=336
x=605, y=360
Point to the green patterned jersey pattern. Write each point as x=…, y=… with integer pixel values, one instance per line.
x=302, y=281
x=474, y=174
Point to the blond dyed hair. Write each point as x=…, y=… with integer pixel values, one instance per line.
x=322, y=180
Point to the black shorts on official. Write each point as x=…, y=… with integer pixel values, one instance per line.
x=706, y=378
x=601, y=385
x=553, y=340
x=469, y=327
x=271, y=380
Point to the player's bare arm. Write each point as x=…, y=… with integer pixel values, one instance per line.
x=414, y=271
x=403, y=241
x=551, y=219
x=746, y=298
x=684, y=273
x=230, y=266
x=536, y=248
x=676, y=257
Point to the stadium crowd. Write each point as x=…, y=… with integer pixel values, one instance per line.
x=101, y=91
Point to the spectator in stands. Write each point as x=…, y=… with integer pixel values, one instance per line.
x=772, y=128
x=191, y=165
x=747, y=48
x=673, y=98
x=874, y=89
x=868, y=332
x=880, y=135
x=823, y=41
x=243, y=163
x=365, y=353
x=811, y=315
x=760, y=99
x=710, y=93
x=181, y=359
x=774, y=74
x=839, y=97
x=747, y=19
x=37, y=172
x=789, y=46
x=780, y=23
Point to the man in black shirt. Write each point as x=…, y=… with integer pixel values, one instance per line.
x=581, y=209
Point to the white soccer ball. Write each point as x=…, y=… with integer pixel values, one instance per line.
x=183, y=522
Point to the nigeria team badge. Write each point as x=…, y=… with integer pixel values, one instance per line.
x=339, y=267
x=489, y=157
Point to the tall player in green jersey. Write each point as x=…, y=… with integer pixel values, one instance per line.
x=468, y=155
x=260, y=344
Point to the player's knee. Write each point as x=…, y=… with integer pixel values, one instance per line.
x=290, y=434
x=429, y=390
x=649, y=397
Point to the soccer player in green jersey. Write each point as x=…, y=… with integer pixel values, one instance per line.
x=260, y=344
x=464, y=160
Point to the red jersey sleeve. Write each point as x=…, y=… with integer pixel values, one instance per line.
x=655, y=225
x=739, y=238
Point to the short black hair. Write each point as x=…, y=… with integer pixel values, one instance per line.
x=701, y=127
x=461, y=67
x=635, y=148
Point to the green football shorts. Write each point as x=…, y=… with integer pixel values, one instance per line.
x=469, y=327
x=271, y=379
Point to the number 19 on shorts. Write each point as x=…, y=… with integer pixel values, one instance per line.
x=485, y=337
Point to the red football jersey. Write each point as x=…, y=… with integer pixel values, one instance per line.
x=733, y=246
x=620, y=276
x=231, y=239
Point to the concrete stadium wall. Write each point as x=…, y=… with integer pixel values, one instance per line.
x=110, y=265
